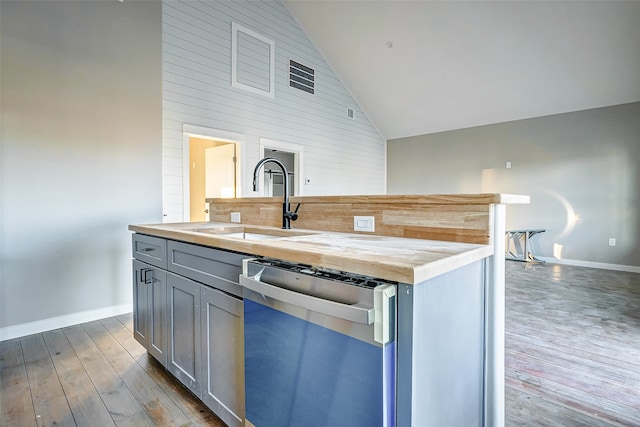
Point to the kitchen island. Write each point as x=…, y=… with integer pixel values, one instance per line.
x=404, y=260
x=450, y=294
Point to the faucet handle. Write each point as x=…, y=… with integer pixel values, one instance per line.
x=293, y=215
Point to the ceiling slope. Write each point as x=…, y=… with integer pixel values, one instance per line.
x=419, y=67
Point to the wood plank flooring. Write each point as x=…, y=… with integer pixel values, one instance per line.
x=573, y=359
x=94, y=374
x=573, y=346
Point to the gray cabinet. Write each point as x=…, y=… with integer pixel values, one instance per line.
x=441, y=349
x=216, y=268
x=149, y=249
x=149, y=309
x=223, y=355
x=190, y=318
x=140, y=304
x=184, y=356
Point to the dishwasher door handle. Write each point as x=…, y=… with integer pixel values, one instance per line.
x=353, y=312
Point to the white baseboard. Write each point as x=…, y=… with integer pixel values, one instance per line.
x=24, y=329
x=601, y=265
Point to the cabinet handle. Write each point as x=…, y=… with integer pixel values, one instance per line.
x=147, y=249
x=384, y=301
x=146, y=275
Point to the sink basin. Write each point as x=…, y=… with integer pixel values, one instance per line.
x=248, y=233
x=251, y=236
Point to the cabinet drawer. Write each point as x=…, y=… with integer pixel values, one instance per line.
x=213, y=267
x=152, y=250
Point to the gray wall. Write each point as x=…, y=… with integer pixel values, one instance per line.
x=81, y=156
x=581, y=169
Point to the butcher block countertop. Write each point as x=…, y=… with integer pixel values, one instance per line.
x=425, y=199
x=405, y=260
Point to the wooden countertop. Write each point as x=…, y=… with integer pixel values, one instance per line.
x=403, y=260
x=426, y=199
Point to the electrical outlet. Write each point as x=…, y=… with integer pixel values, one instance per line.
x=612, y=241
x=364, y=223
x=235, y=217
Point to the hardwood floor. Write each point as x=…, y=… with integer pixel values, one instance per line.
x=94, y=374
x=573, y=346
x=573, y=359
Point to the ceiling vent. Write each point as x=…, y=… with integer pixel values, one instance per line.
x=302, y=77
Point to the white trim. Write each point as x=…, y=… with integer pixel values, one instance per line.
x=495, y=325
x=298, y=161
x=591, y=264
x=235, y=28
x=29, y=328
x=189, y=131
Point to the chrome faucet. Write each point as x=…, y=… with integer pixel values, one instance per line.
x=287, y=215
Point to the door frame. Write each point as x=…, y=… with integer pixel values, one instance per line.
x=190, y=131
x=298, y=154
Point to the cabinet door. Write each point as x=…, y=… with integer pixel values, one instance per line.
x=150, y=308
x=223, y=355
x=141, y=303
x=185, y=351
x=158, y=316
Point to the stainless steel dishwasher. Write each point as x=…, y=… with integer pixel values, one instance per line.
x=319, y=347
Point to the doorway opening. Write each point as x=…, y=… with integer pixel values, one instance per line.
x=272, y=182
x=212, y=174
x=211, y=170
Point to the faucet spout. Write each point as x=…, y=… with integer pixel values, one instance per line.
x=287, y=215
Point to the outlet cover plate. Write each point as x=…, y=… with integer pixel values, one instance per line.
x=364, y=223
x=235, y=217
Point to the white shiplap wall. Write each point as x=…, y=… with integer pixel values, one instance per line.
x=341, y=156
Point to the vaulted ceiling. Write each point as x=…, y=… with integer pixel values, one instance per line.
x=419, y=67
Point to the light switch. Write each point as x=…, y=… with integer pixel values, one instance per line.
x=364, y=223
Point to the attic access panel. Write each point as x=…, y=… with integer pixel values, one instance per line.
x=252, y=61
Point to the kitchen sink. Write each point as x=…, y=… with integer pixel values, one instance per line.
x=251, y=236
x=249, y=233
